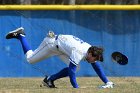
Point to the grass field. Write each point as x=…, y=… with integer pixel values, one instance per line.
x=87, y=84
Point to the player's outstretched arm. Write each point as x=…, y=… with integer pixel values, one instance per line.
x=99, y=70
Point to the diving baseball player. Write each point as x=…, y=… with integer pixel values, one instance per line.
x=69, y=48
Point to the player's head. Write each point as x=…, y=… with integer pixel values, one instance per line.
x=94, y=54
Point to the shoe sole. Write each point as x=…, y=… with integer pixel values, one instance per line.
x=45, y=85
x=18, y=30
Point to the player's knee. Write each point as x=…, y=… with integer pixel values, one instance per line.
x=30, y=61
x=29, y=56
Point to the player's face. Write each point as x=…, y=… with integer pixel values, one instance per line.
x=90, y=58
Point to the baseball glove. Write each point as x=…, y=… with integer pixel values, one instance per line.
x=119, y=58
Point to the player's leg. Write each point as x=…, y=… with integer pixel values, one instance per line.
x=20, y=35
x=68, y=71
x=49, y=80
x=45, y=49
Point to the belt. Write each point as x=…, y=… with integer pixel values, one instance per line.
x=56, y=39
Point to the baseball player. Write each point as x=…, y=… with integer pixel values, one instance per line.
x=70, y=49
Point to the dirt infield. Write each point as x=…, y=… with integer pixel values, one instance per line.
x=87, y=85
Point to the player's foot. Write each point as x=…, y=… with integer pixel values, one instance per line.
x=15, y=33
x=48, y=83
x=107, y=85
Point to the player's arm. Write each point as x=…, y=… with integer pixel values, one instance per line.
x=72, y=76
x=99, y=70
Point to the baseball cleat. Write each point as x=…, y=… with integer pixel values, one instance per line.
x=15, y=33
x=107, y=85
x=48, y=83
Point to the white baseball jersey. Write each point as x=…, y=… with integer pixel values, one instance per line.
x=74, y=48
x=70, y=49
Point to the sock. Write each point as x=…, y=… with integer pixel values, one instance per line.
x=99, y=70
x=24, y=43
x=60, y=74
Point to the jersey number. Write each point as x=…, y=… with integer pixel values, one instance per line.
x=78, y=39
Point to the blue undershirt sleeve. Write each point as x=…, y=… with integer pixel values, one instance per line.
x=99, y=70
x=72, y=76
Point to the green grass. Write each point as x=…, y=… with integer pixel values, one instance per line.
x=87, y=85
